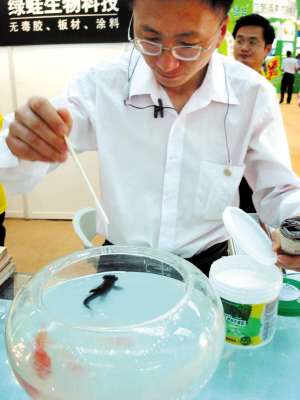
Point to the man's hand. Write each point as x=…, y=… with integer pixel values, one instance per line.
x=284, y=261
x=37, y=132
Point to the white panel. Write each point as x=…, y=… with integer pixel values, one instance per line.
x=62, y=192
x=44, y=70
x=6, y=99
x=15, y=207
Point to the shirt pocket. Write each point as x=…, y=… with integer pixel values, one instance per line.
x=215, y=190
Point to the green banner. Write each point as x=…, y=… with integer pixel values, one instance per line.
x=239, y=9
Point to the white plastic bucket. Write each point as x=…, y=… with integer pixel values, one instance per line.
x=249, y=292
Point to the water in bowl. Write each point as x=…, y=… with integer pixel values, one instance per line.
x=81, y=353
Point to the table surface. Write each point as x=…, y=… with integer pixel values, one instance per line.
x=264, y=373
x=12, y=285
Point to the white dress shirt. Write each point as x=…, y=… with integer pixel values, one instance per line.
x=162, y=181
x=290, y=65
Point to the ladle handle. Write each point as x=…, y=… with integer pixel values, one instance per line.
x=85, y=178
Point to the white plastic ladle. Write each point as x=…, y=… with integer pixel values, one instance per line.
x=89, y=186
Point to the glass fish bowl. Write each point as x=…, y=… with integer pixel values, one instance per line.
x=114, y=323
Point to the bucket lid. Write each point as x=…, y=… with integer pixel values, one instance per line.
x=289, y=300
x=249, y=235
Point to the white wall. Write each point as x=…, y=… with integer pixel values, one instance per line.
x=44, y=70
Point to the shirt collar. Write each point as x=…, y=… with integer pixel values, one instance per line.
x=142, y=80
x=262, y=72
x=215, y=87
x=144, y=83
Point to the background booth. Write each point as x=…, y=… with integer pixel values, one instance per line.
x=283, y=15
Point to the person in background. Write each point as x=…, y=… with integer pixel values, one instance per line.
x=175, y=125
x=3, y=204
x=253, y=36
x=298, y=61
x=289, y=67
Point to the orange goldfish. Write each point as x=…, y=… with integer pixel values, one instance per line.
x=41, y=359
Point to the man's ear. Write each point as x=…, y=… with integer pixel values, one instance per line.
x=268, y=49
x=223, y=31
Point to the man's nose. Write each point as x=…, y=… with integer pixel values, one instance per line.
x=166, y=61
x=245, y=46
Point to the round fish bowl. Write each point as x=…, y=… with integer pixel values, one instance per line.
x=116, y=322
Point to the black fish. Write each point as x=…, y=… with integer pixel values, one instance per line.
x=106, y=285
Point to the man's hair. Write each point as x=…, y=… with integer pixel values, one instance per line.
x=288, y=53
x=219, y=6
x=256, y=20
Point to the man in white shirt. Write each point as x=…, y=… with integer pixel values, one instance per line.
x=174, y=128
x=289, y=67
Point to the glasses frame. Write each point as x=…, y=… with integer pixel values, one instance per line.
x=172, y=49
x=247, y=42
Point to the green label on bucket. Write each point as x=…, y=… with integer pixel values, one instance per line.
x=250, y=324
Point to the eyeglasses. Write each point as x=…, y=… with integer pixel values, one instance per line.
x=249, y=43
x=187, y=53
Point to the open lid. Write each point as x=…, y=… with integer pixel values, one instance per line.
x=249, y=235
